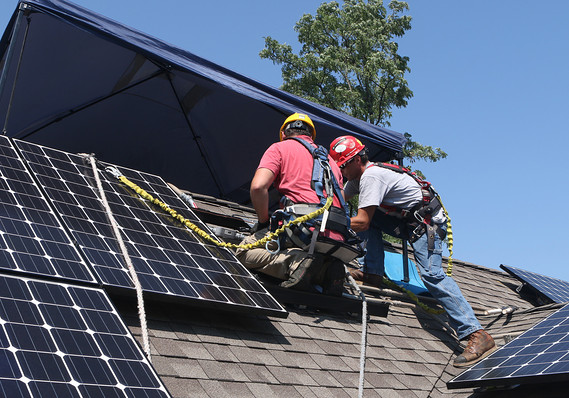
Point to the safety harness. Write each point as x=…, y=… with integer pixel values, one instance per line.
x=307, y=235
x=416, y=221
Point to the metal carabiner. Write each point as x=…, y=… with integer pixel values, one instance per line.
x=327, y=178
x=113, y=171
x=273, y=251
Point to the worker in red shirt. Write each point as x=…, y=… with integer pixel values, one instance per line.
x=288, y=165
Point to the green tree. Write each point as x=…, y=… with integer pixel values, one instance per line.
x=348, y=61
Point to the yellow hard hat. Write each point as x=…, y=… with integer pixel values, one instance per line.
x=301, y=117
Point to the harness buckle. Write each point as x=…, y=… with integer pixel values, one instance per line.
x=419, y=218
x=417, y=232
x=277, y=250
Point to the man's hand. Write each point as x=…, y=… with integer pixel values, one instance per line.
x=360, y=222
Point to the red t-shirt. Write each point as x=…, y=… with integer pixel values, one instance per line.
x=292, y=165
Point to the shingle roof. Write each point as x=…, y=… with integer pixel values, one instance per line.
x=314, y=353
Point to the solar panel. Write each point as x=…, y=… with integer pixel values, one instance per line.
x=32, y=239
x=554, y=290
x=171, y=261
x=539, y=355
x=60, y=340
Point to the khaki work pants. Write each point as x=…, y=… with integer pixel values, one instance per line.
x=279, y=265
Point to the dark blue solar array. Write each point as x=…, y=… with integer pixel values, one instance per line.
x=539, y=355
x=170, y=260
x=59, y=340
x=32, y=240
x=555, y=290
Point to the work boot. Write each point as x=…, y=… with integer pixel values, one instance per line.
x=480, y=345
x=301, y=277
x=333, y=282
x=374, y=280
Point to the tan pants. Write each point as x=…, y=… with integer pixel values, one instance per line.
x=279, y=265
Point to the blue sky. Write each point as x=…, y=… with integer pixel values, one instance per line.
x=490, y=88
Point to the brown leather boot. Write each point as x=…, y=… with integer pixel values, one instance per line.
x=367, y=279
x=480, y=345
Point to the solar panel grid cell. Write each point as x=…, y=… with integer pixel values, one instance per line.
x=170, y=260
x=538, y=355
x=62, y=339
x=553, y=289
x=32, y=240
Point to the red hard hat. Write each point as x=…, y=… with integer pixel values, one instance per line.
x=344, y=148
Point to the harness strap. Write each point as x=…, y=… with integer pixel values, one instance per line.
x=314, y=238
x=430, y=229
x=423, y=209
x=398, y=212
x=322, y=176
x=418, y=218
x=430, y=237
x=307, y=235
x=337, y=221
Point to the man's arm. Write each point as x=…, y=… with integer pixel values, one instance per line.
x=360, y=222
x=260, y=185
x=348, y=191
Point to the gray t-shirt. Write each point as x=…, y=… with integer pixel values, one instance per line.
x=378, y=185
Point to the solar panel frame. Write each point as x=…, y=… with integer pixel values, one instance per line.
x=62, y=340
x=553, y=290
x=540, y=355
x=33, y=240
x=164, y=252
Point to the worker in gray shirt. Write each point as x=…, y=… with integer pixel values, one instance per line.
x=393, y=202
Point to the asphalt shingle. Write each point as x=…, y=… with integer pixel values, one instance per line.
x=254, y=356
x=291, y=376
x=313, y=354
x=317, y=354
x=258, y=373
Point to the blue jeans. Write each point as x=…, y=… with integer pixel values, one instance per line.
x=440, y=285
